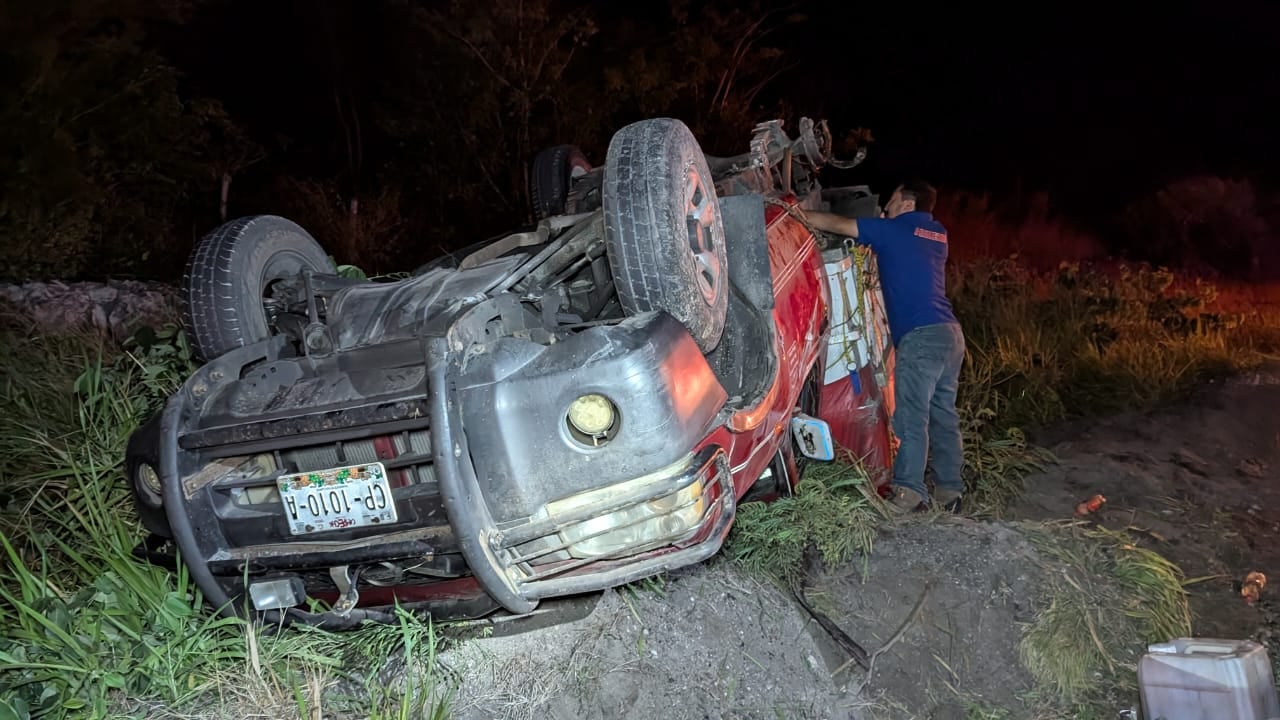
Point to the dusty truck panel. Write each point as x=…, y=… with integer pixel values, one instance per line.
x=514, y=394
x=574, y=406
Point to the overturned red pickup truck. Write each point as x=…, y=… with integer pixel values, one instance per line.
x=571, y=407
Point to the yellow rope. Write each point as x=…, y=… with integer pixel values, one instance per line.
x=862, y=260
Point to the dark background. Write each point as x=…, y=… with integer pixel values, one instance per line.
x=408, y=108
x=1097, y=102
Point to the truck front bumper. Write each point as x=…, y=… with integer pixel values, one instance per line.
x=608, y=535
x=521, y=536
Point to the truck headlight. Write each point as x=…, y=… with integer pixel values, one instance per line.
x=592, y=419
x=656, y=522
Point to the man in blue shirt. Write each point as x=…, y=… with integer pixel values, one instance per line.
x=911, y=253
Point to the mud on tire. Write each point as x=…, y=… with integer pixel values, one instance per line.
x=229, y=274
x=663, y=230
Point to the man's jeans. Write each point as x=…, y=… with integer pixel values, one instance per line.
x=926, y=377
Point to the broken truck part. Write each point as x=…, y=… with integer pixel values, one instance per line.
x=573, y=407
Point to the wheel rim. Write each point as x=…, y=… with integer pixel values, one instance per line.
x=701, y=216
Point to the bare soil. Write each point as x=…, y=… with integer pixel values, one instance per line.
x=947, y=596
x=711, y=642
x=706, y=643
x=945, y=599
x=1195, y=483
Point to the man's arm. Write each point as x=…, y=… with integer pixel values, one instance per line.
x=833, y=223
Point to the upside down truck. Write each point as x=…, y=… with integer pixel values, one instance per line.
x=570, y=407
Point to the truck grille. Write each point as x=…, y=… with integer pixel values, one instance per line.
x=406, y=455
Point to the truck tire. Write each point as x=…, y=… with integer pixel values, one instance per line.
x=663, y=230
x=229, y=275
x=552, y=176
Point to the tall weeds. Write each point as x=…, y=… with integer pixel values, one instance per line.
x=1080, y=341
x=87, y=630
x=1042, y=347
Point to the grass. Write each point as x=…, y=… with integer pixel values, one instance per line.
x=1121, y=595
x=1082, y=341
x=1042, y=347
x=830, y=510
x=88, y=631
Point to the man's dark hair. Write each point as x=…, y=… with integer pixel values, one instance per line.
x=920, y=191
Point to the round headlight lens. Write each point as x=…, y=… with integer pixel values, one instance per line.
x=592, y=415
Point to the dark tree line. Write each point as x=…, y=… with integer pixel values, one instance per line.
x=396, y=129
x=392, y=129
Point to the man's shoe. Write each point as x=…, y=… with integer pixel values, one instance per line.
x=948, y=500
x=905, y=500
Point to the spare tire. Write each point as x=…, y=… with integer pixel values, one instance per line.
x=552, y=176
x=663, y=230
x=229, y=275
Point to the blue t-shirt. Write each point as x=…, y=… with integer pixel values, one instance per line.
x=911, y=253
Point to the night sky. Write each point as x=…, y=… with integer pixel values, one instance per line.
x=1091, y=100
x=1098, y=103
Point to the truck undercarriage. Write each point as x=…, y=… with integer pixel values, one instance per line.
x=536, y=417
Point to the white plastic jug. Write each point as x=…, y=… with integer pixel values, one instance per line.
x=1207, y=679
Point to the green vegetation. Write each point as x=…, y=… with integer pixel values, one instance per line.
x=829, y=510
x=1042, y=347
x=1081, y=342
x=1123, y=596
x=90, y=631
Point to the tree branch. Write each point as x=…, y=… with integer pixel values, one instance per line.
x=751, y=94
x=484, y=169
x=440, y=23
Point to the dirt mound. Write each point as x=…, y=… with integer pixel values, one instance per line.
x=711, y=642
x=706, y=643
x=947, y=598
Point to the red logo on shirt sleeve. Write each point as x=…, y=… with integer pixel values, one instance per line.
x=931, y=235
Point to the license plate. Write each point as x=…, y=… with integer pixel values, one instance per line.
x=339, y=498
